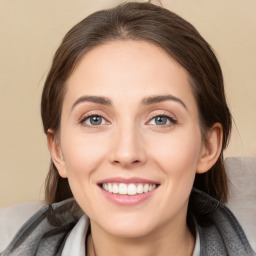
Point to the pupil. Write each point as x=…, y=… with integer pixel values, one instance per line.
x=96, y=120
x=161, y=120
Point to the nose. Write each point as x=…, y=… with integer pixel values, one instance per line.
x=128, y=149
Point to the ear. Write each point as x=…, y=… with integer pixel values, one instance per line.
x=211, y=148
x=56, y=153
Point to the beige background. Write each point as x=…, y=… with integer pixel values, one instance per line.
x=30, y=31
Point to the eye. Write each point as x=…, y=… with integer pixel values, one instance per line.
x=162, y=120
x=94, y=120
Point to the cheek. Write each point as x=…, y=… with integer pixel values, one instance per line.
x=177, y=153
x=82, y=154
x=177, y=156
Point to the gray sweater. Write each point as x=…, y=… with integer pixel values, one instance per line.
x=45, y=233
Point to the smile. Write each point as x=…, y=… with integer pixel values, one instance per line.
x=128, y=189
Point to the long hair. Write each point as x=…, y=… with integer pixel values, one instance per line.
x=178, y=38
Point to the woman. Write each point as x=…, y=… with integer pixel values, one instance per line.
x=136, y=119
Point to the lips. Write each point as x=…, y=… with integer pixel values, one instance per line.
x=127, y=191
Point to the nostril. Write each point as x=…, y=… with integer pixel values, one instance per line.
x=133, y=162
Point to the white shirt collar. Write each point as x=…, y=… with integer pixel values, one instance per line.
x=75, y=243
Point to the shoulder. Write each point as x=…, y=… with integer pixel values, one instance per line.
x=45, y=232
x=219, y=230
x=13, y=217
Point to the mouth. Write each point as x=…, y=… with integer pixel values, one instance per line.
x=127, y=191
x=130, y=189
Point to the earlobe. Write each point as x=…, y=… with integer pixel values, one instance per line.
x=56, y=153
x=211, y=149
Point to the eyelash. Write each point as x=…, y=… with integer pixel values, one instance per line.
x=168, y=117
x=87, y=117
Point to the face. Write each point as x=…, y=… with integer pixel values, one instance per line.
x=130, y=141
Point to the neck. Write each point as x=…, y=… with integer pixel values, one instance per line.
x=168, y=242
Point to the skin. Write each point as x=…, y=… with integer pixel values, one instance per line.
x=130, y=143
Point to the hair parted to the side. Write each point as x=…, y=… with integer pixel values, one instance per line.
x=161, y=27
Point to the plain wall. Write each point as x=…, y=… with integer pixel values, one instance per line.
x=30, y=32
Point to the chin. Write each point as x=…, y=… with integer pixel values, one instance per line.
x=128, y=226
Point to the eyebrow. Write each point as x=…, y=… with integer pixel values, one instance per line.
x=146, y=101
x=161, y=98
x=95, y=99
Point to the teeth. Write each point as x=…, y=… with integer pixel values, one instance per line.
x=132, y=189
x=128, y=189
x=140, y=189
x=122, y=189
x=115, y=189
x=145, y=188
x=110, y=188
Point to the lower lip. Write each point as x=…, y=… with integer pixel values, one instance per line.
x=127, y=199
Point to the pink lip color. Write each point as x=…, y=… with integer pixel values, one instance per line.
x=127, y=199
x=127, y=180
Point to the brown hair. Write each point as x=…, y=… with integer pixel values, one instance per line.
x=154, y=24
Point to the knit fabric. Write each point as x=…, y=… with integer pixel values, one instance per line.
x=46, y=232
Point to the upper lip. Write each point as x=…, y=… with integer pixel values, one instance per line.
x=127, y=180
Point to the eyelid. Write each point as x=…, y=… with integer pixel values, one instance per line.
x=170, y=117
x=91, y=114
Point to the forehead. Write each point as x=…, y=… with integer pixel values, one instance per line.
x=119, y=69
